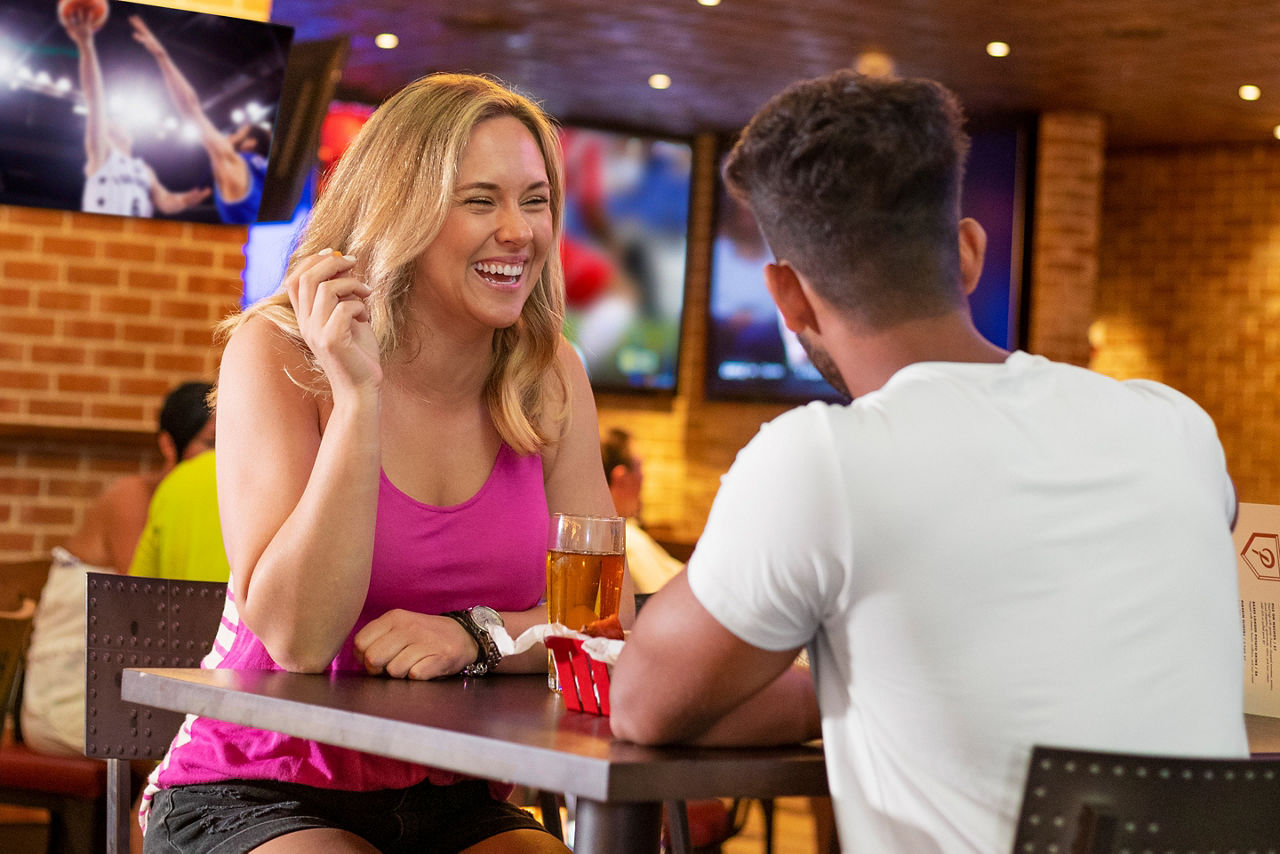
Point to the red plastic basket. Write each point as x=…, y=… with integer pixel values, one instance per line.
x=584, y=682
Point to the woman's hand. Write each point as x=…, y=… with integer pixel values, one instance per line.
x=406, y=644
x=334, y=321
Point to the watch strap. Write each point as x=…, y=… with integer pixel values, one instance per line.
x=487, y=655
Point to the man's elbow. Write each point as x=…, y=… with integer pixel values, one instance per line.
x=640, y=716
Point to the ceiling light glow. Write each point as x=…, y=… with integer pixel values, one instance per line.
x=709, y=2
x=998, y=49
x=1249, y=92
x=659, y=81
x=386, y=41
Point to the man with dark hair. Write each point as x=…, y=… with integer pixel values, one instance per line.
x=981, y=552
x=650, y=565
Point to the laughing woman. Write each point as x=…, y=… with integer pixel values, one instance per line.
x=394, y=428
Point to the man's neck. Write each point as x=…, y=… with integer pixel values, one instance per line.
x=868, y=358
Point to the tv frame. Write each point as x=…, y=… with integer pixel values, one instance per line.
x=999, y=303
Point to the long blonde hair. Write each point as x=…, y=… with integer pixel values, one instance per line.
x=386, y=201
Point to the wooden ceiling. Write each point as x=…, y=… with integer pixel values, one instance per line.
x=1163, y=72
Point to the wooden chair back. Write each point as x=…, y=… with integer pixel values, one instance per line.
x=1090, y=802
x=138, y=622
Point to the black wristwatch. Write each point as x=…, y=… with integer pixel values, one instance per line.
x=479, y=621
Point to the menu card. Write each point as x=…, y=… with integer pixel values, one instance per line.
x=1257, y=540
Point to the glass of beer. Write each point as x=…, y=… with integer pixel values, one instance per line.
x=584, y=572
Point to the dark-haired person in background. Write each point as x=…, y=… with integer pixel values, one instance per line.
x=982, y=552
x=238, y=159
x=53, y=685
x=650, y=565
x=116, y=182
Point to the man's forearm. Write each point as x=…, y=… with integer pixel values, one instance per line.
x=783, y=712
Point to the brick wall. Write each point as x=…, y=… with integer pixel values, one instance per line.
x=1189, y=291
x=99, y=317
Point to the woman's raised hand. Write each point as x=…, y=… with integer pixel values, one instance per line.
x=334, y=320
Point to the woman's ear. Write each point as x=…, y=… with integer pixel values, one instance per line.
x=973, y=252
x=789, y=295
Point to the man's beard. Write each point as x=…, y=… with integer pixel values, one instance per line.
x=824, y=363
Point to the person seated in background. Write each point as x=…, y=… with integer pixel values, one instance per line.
x=183, y=536
x=52, y=714
x=649, y=563
x=983, y=551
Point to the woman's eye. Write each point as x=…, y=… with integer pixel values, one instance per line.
x=536, y=201
x=478, y=201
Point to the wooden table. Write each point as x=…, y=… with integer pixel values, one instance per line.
x=503, y=728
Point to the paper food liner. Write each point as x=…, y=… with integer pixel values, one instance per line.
x=582, y=662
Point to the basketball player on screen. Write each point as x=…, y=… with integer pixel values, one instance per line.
x=238, y=159
x=116, y=182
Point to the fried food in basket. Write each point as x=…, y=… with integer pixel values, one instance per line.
x=609, y=627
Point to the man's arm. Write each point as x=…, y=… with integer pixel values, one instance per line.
x=169, y=202
x=96, y=146
x=683, y=677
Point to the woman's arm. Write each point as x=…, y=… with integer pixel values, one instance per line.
x=297, y=488
x=573, y=471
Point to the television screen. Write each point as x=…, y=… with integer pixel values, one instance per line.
x=753, y=356
x=624, y=250
x=134, y=129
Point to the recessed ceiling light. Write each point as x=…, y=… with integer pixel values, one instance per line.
x=1249, y=92
x=659, y=81
x=1275, y=131
x=997, y=49
x=709, y=2
x=874, y=63
x=386, y=41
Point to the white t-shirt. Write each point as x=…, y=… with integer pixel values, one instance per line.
x=982, y=558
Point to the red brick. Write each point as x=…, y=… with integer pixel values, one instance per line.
x=58, y=354
x=215, y=285
x=15, y=297
x=145, y=333
x=133, y=306
x=65, y=300
x=57, y=408
x=152, y=388
x=96, y=329
x=142, y=280
x=17, y=541
x=83, y=274
x=19, y=485
x=26, y=325
x=32, y=270
x=16, y=241
x=84, y=383
x=183, y=309
x=187, y=257
x=144, y=252
x=116, y=411
x=38, y=515
x=75, y=247
x=187, y=363
x=36, y=216
x=29, y=380
x=66, y=487
x=118, y=359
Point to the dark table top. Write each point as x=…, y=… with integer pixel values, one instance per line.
x=500, y=727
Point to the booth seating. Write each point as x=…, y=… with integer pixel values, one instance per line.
x=71, y=789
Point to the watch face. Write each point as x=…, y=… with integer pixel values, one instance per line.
x=485, y=616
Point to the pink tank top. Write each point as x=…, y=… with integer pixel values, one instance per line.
x=489, y=550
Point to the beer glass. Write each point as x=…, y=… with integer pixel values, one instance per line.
x=585, y=557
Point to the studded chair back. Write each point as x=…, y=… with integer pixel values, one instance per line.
x=138, y=622
x=1089, y=803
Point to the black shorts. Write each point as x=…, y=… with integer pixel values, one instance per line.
x=239, y=815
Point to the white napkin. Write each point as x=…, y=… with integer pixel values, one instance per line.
x=601, y=649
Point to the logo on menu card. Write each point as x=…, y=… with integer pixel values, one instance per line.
x=1260, y=554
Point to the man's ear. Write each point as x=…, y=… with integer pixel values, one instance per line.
x=168, y=449
x=789, y=295
x=973, y=252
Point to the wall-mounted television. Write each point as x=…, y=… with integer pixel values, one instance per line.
x=625, y=251
x=753, y=356
x=58, y=122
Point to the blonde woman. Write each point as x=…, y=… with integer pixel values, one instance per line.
x=394, y=428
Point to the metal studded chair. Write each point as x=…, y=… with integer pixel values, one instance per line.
x=1090, y=803
x=138, y=622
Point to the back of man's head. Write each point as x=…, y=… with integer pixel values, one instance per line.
x=184, y=413
x=855, y=182
x=615, y=450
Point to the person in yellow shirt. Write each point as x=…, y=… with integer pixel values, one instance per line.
x=182, y=539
